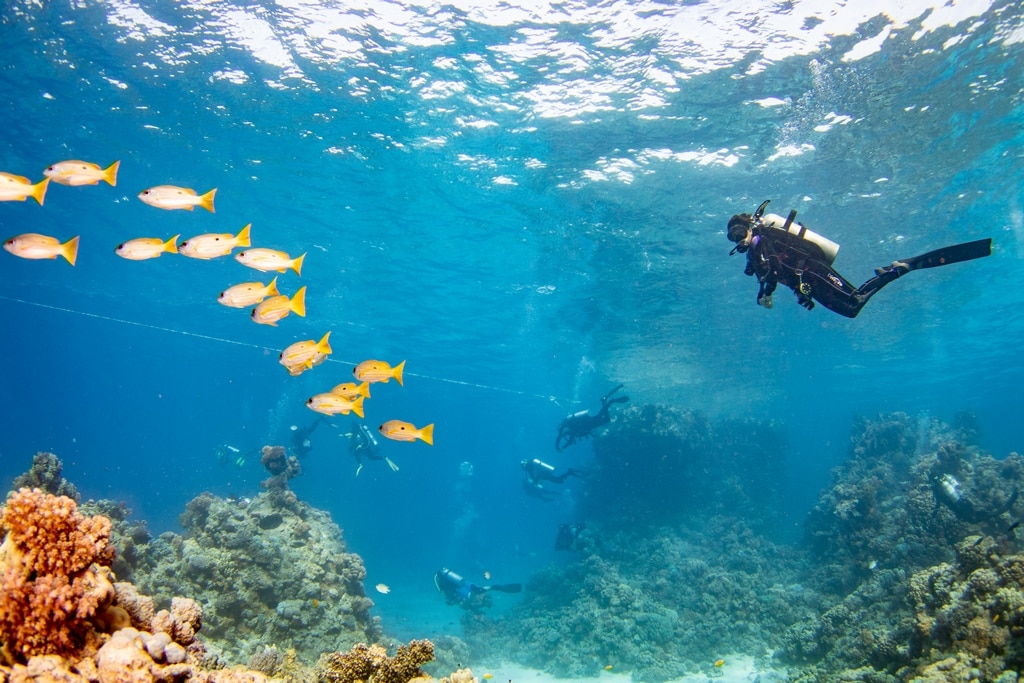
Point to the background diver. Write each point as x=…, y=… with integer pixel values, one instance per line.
x=781, y=251
x=536, y=472
x=301, y=444
x=581, y=424
x=468, y=596
x=364, y=444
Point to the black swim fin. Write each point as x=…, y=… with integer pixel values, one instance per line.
x=506, y=587
x=956, y=253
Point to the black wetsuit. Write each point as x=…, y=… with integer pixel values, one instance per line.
x=777, y=256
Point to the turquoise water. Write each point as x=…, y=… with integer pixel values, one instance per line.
x=527, y=203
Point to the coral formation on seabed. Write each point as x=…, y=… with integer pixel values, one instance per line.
x=371, y=664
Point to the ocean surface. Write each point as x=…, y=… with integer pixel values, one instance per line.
x=527, y=202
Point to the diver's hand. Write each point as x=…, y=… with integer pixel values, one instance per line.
x=765, y=300
x=806, y=302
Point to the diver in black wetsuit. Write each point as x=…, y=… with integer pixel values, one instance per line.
x=781, y=251
x=301, y=444
x=536, y=472
x=581, y=424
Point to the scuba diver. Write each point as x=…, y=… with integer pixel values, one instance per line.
x=569, y=536
x=227, y=453
x=949, y=492
x=301, y=445
x=468, y=596
x=581, y=424
x=781, y=251
x=536, y=472
x=363, y=444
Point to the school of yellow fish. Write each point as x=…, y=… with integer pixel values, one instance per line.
x=269, y=306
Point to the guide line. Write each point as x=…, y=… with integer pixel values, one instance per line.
x=223, y=340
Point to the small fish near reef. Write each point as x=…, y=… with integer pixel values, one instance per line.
x=378, y=371
x=270, y=259
x=303, y=352
x=270, y=311
x=383, y=588
x=17, y=188
x=34, y=246
x=213, y=245
x=488, y=676
x=171, y=197
x=332, y=404
x=719, y=663
x=247, y=294
x=609, y=667
x=144, y=248
x=398, y=430
x=75, y=173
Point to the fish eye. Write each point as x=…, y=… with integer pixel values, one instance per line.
x=145, y=192
x=119, y=247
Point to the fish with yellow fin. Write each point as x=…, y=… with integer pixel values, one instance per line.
x=270, y=311
x=378, y=371
x=296, y=370
x=488, y=676
x=211, y=245
x=719, y=663
x=398, y=430
x=18, y=188
x=247, y=294
x=608, y=667
x=75, y=173
x=331, y=404
x=350, y=390
x=303, y=352
x=270, y=259
x=172, y=197
x=35, y=246
x=143, y=248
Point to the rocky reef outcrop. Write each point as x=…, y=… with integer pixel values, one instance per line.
x=657, y=466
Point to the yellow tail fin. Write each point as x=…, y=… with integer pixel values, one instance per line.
x=364, y=389
x=110, y=175
x=272, y=288
x=427, y=434
x=396, y=372
x=322, y=346
x=206, y=201
x=297, y=265
x=39, y=190
x=242, y=238
x=357, y=406
x=298, y=302
x=69, y=250
x=171, y=245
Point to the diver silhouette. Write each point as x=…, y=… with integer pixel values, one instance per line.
x=580, y=424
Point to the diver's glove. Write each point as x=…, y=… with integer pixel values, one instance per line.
x=805, y=301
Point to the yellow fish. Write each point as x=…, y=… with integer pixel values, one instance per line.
x=172, y=197
x=269, y=259
x=488, y=676
x=350, y=390
x=17, y=188
x=315, y=602
x=331, y=404
x=719, y=663
x=609, y=667
x=271, y=310
x=404, y=431
x=211, y=245
x=74, y=172
x=378, y=371
x=296, y=370
x=34, y=246
x=247, y=294
x=382, y=588
x=302, y=353
x=144, y=248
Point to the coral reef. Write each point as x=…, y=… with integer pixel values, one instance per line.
x=655, y=605
x=45, y=474
x=267, y=571
x=54, y=567
x=371, y=664
x=655, y=465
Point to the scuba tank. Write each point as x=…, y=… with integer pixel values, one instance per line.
x=371, y=440
x=777, y=222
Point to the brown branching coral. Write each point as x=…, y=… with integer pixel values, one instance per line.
x=371, y=664
x=54, y=576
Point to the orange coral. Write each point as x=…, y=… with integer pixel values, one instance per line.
x=53, y=574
